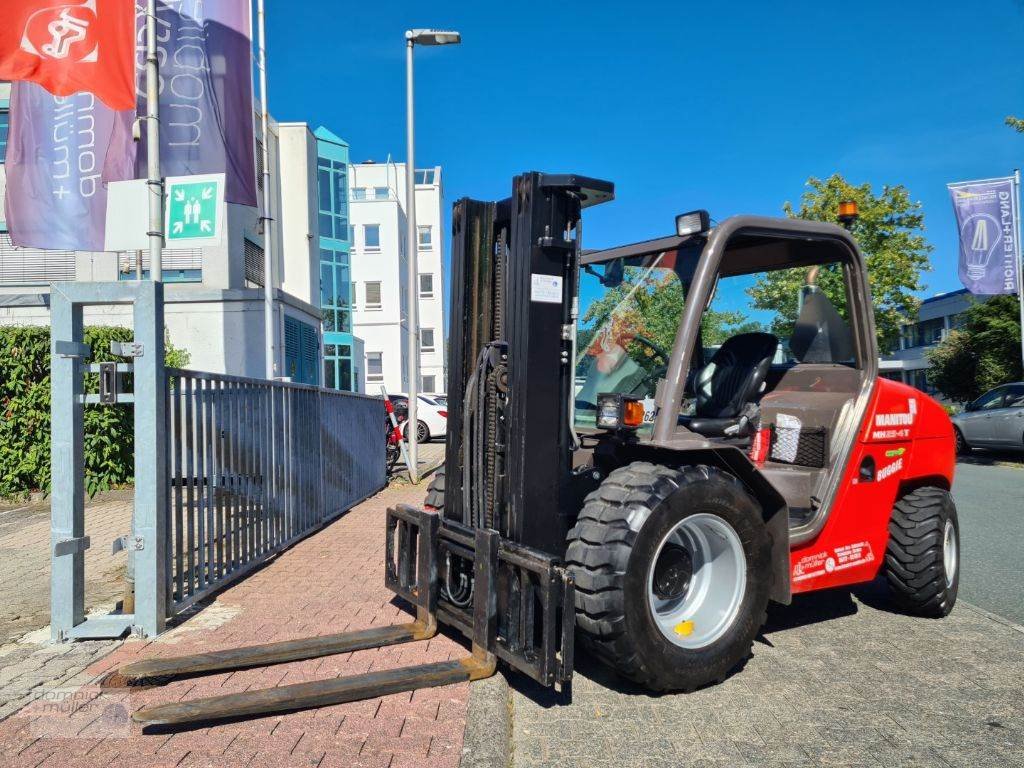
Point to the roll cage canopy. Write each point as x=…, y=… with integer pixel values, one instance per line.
x=744, y=245
x=755, y=244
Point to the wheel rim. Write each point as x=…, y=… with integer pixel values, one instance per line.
x=950, y=552
x=697, y=580
x=421, y=432
x=959, y=441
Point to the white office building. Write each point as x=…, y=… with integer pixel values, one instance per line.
x=214, y=298
x=379, y=269
x=937, y=316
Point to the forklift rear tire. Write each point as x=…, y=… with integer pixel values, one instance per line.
x=435, y=493
x=672, y=571
x=922, y=560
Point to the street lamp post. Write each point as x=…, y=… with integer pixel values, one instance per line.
x=414, y=37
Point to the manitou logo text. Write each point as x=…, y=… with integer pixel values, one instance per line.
x=63, y=32
x=898, y=419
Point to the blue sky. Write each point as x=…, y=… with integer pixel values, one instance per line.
x=724, y=106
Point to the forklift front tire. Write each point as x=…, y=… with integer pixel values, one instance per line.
x=922, y=560
x=672, y=571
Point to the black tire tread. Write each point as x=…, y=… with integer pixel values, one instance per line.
x=914, y=557
x=435, y=492
x=599, y=548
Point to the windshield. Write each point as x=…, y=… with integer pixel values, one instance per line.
x=630, y=312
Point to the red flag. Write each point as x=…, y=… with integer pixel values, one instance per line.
x=81, y=45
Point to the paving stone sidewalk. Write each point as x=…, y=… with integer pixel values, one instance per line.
x=331, y=582
x=837, y=680
x=25, y=560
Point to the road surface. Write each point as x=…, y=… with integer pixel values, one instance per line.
x=990, y=500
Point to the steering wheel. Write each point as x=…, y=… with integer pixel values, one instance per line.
x=656, y=348
x=659, y=351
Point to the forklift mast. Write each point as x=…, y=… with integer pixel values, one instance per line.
x=515, y=278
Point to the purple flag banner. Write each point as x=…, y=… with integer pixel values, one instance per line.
x=57, y=150
x=206, y=98
x=988, y=220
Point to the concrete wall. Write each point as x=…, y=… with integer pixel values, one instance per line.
x=301, y=276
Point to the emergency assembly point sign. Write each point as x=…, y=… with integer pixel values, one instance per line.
x=194, y=210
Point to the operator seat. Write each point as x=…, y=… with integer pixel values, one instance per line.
x=728, y=385
x=820, y=335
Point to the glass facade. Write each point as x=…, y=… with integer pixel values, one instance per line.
x=5, y=125
x=335, y=265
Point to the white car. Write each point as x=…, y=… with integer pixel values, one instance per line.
x=431, y=414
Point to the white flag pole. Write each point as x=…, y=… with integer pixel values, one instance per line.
x=1020, y=263
x=269, y=324
x=155, y=181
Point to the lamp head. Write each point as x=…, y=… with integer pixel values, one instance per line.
x=433, y=37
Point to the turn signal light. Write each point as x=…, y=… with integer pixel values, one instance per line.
x=632, y=413
x=443, y=414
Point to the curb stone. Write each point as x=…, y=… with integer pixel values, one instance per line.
x=991, y=616
x=488, y=738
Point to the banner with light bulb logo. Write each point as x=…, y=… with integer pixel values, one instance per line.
x=988, y=220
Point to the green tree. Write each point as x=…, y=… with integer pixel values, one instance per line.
x=983, y=353
x=1016, y=123
x=890, y=235
x=654, y=311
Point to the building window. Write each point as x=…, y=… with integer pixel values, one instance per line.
x=332, y=183
x=253, y=264
x=429, y=384
x=335, y=291
x=426, y=237
x=360, y=193
x=425, y=176
x=426, y=286
x=380, y=193
x=426, y=339
x=928, y=332
x=371, y=237
x=375, y=366
x=338, y=367
x=5, y=127
x=373, y=296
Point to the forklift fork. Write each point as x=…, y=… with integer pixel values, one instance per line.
x=411, y=572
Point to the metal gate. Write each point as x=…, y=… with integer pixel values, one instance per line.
x=255, y=466
x=228, y=471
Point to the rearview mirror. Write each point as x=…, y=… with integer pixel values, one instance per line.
x=614, y=274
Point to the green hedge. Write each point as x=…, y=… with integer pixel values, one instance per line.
x=25, y=400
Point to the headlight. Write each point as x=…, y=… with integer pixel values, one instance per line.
x=618, y=411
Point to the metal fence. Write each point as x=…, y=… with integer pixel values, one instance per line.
x=254, y=466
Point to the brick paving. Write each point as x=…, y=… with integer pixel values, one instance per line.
x=331, y=582
x=25, y=560
x=838, y=680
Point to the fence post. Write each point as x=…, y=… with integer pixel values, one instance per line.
x=151, y=480
x=67, y=502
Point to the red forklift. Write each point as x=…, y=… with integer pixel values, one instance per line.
x=626, y=468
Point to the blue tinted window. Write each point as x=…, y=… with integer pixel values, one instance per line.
x=5, y=121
